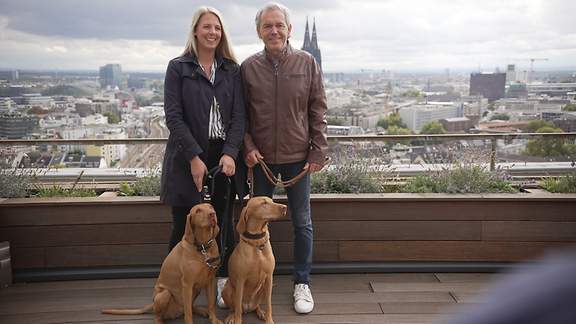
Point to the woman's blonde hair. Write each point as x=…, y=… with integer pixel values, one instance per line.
x=224, y=49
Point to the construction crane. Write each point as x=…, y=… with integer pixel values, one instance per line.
x=532, y=60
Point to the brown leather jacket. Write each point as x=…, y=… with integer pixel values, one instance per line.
x=286, y=107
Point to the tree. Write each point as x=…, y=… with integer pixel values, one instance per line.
x=391, y=120
x=500, y=117
x=395, y=130
x=412, y=94
x=334, y=121
x=569, y=107
x=550, y=147
x=37, y=110
x=535, y=125
x=112, y=118
x=433, y=127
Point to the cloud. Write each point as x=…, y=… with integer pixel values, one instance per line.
x=27, y=51
x=126, y=19
x=392, y=34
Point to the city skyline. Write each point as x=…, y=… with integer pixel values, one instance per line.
x=364, y=35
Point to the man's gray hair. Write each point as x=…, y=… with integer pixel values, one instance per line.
x=273, y=6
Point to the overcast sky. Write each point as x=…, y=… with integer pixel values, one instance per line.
x=398, y=35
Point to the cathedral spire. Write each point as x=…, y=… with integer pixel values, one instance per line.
x=314, y=40
x=311, y=44
x=306, y=44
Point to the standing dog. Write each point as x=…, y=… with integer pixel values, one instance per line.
x=190, y=267
x=252, y=263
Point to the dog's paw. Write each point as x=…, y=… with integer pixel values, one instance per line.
x=216, y=321
x=231, y=320
x=261, y=314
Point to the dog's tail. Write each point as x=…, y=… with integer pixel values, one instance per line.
x=144, y=310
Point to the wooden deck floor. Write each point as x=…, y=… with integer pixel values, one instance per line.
x=340, y=298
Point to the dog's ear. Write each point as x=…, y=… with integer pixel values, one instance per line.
x=189, y=231
x=241, y=226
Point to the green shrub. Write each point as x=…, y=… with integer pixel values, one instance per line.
x=148, y=185
x=566, y=184
x=461, y=178
x=14, y=182
x=126, y=189
x=336, y=181
x=59, y=191
x=350, y=173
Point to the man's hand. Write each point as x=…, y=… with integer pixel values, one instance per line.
x=198, y=170
x=252, y=158
x=313, y=167
x=228, y=165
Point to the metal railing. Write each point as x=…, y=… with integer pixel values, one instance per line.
x=331, y=138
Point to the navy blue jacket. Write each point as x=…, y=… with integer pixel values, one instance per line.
x=188, y=96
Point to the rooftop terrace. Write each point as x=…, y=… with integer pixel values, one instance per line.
x=383, y=298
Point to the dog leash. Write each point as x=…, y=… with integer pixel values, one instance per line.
x=211, y=175
x=277, y=182
x=273, y=179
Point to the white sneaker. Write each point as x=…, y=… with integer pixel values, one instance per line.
x=220, y=287
x=303, y=302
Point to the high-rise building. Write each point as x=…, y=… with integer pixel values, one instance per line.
x=17, y=125
x=9, y=75
x=6, y=105
x=511, y=73
x=311, y=44
x=418, y=115
x=110, y=75
x=491, y=86
x=29, y=100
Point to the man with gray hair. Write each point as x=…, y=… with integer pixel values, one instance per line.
x=286, y=103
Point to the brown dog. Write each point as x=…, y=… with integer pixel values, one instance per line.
x=252, y=263
x=190, y=267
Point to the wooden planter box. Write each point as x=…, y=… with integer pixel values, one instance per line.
x=49, y=234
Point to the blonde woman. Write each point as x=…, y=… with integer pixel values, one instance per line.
x=205, y=114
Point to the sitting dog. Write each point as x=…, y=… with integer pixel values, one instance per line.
x=190, y=267
x=252, y=263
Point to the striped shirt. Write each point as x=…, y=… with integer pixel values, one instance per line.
x=216, y=128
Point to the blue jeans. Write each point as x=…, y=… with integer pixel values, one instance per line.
x=299, y=205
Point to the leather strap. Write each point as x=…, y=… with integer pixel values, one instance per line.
x=277, y=182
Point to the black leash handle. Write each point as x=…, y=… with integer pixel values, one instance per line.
x=207, y=195
x=210, y=177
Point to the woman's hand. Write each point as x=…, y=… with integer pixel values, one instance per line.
x=228, y=165
x=198, y=170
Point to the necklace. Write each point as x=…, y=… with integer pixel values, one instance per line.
x=207, y=68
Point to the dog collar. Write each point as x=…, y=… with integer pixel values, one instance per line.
x=214, y=262
x=203, y=247
x=251, y=236
x=256, y=240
